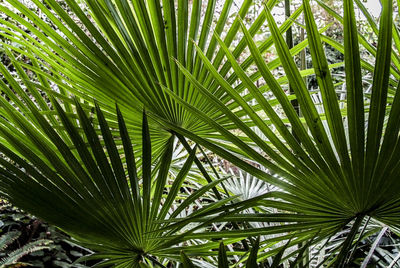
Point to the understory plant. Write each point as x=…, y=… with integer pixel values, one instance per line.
x=12, y=258
x=22, y=232
x=106, y=176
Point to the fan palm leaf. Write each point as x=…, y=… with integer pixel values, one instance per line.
x=85, y=191
x=321, y=176
x=329, y=167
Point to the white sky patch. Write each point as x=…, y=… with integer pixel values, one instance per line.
x=374, y=7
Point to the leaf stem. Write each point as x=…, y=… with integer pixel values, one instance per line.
x=154, y=260
x=347, y=244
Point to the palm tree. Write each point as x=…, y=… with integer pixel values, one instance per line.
x=329, y=166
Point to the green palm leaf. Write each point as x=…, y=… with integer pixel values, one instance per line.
x=85, y=191
x=329, y=170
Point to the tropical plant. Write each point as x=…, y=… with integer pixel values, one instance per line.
x=61, y=250
x=223, y=261
x=330, y=166
x=11, y=260
x=88, y=194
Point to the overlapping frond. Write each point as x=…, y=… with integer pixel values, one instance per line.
x=329, y=165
